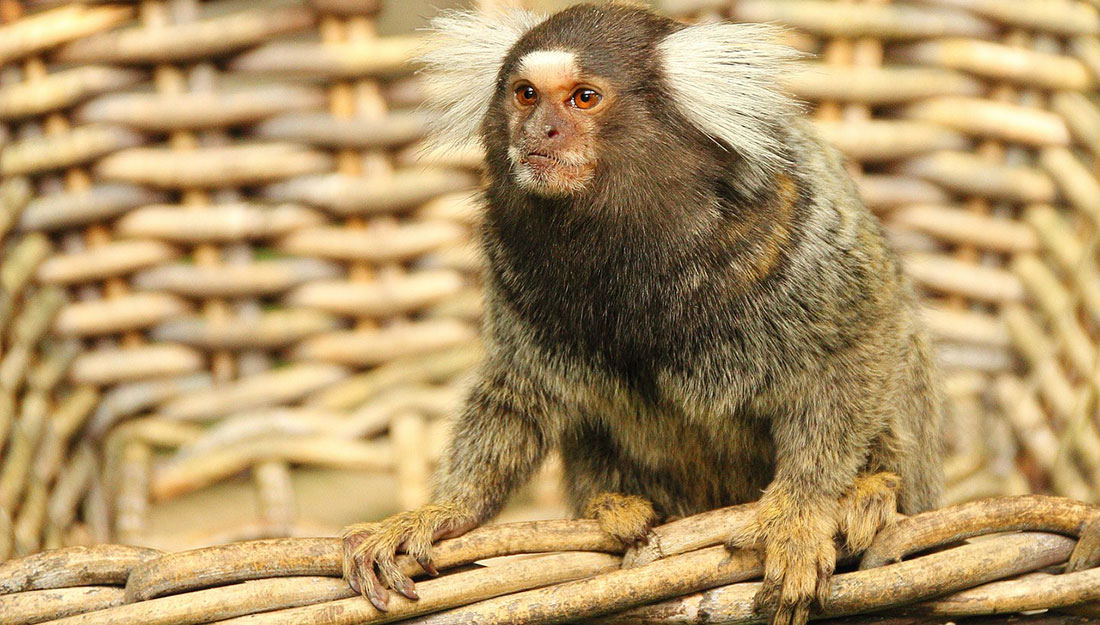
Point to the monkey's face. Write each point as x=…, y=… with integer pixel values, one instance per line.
x=608, y=101
x=553, y=115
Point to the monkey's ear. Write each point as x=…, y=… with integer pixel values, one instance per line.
x=723, y=78
x=460, y=59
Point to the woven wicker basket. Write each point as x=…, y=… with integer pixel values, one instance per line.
x=234, y=305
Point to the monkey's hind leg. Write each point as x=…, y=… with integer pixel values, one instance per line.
x=626, y=517
x=869, y=506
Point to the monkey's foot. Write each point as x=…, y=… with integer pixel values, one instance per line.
x=626, y=517
x=868, y=507
x=370, y=549
x=799, y=555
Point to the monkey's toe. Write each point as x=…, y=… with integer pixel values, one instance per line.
x=867, y=508
x=626, y=517
x=643, y=552
x=370, y=565
x=796, y=578
x=359, y=543
x=799, y=555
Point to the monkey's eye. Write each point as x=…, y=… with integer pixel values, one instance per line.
x=526, y=95
x=585, y=99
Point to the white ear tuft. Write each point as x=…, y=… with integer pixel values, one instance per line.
x=723, y=78
x=462, y=57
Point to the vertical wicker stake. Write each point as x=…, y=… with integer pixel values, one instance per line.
x=132, y=494
x=276, y=505
x=43, y=426
x=363, y=99
x=992, y=427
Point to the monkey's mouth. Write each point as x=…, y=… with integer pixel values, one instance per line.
x=547, y=173
x=545, y=162
x=542, y=159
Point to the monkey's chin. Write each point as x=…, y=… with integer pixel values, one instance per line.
x=552, y=178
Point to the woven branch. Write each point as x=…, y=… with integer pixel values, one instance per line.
x=571, y=570
x=224, y=276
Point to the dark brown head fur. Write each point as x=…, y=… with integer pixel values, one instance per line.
x=629, y=270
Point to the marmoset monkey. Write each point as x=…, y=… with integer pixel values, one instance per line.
x=685, y=296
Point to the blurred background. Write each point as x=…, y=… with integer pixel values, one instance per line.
x=415, y=14
x=234, y=303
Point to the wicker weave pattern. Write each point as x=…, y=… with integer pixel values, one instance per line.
x=696, y=580
x=260, y=277
x=253, y=283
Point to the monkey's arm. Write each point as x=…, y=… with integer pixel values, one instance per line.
x=821, y=443
x=496, y=444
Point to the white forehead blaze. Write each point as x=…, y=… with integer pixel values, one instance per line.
x=548, y=67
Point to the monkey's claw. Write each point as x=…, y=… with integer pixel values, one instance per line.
x=370, y=566
x=795, y=579
x=370, y=550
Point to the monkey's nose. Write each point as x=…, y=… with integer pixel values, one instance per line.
x=551, y=132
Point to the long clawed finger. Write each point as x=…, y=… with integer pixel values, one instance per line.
x=395, y=579
x=425, y=563
x=793, y=613
x=352, y=573
x=793, y=603
x=420, y=548
x=766, y=598
x=787, y=606
x=353, y=581
x=369, y=585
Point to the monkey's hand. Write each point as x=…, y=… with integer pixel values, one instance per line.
x=626, y=517
x=370, y=549
x=796, y=537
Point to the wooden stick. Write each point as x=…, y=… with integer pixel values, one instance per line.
x=446, y=592
x=875, y=589
x=73, y=566
x=217, y=603
x=691, y=533
x=1000, y=514
x=201, y=568
x=35, y=606
x=610, y=592
x=1034, y=592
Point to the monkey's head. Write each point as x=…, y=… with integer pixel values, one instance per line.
x=605, y=95
x=551, y=123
